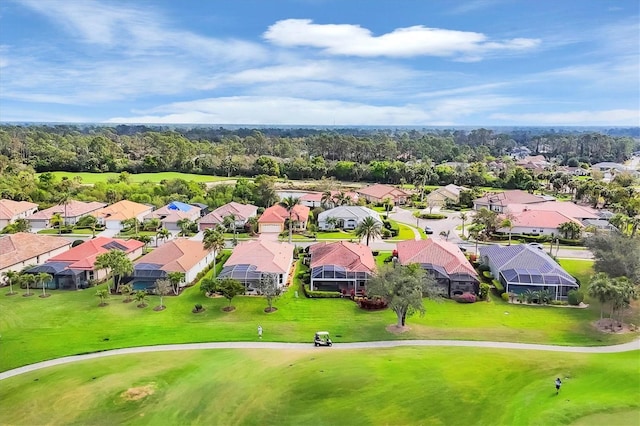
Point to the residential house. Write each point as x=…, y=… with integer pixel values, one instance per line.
x=173, y=213
x=314, y=199
x=445, y=261
x=10, y=211
x=242, y=213
x=442, y=195
x=525, y=267
x=70, y=213
x=538, y=222
x=274, y=218
x=378, y=193
x=180, y=255
x=498, y=202
x=341, y=266
x=23, y=249
x=252, y=260
x=567, y=208
x=75, y=268
x=346, y=217
x=113, y=215
x=599, y=225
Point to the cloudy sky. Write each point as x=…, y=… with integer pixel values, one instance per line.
x=321, y=62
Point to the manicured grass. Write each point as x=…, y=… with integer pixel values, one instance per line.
x=75, y=231
x=405, y=232
x=91, y=178
x=70, y=322
x=398, y=386
x=381, y=257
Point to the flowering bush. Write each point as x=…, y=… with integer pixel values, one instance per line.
x=465, y=298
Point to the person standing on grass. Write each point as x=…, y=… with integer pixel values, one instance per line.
x=260, y=334
x=558, y=384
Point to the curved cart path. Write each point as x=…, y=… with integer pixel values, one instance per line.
x=625, y=347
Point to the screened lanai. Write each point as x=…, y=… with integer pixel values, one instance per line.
x=62, y=277
x=245, y=273
x=520, y=280
x=145, y=275
x=337, y=278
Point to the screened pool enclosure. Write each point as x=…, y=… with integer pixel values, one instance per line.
x=249, y=275
x=520, y=280
x=337, y=278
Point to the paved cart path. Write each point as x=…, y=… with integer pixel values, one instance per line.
x=625, y=347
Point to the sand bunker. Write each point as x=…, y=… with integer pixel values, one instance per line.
x=135, y=394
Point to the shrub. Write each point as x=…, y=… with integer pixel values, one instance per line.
x=465, y=298
x=505, y=297
x=559, y=302
x=375, y=252
x=385, y=233
x=483, y=268
x=197, y=308
x=433, y=216
x=487, y=275
x=484, y=291
x=315, y=294
x=575, y=297
x=372, y=304
x=498, y=285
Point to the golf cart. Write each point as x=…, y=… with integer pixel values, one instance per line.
x=322, y=339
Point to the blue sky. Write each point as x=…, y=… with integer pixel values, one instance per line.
x=321, y=62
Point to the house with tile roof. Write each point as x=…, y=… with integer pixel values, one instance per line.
x=10, y=211
x=242, y=213
x=74, y=268
x=314, y=199
x=173, y=213
x=499, y=202
x=346, y=217
x=113, y=215
x=70, y=213
x=180, y=255
x=567, y=208
x=444, y=261
x=538, y=222
x=251, y=260
x=449, y=193
x=274, y=218
x=524, y=267
x=378, y=193
x=23, y=249
x=341, y=266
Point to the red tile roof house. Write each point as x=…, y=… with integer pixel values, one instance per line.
x=314, y=199
x=74, y=268
x=498, y=202
x=251, y=260
x=242, y=212
x=534, y=222
x=378, y=193
x=274, y=218
x=23, y=249
x=113, y=215
x=341, y=266
x=180, y=255
x=567, y=208
x=70, y=213
x=174, y=212
x=10, y=211
x=444, y=261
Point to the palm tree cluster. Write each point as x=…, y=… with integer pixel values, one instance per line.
x=329, y=199
x=616, y=292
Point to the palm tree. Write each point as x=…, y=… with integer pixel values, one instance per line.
x=162, y=234
x=175, y=278
x=64, y=199
x=141, y=297
x=103, y=294
x=289, y=203
x=213, y=240
x=28, y=279
x=369, y=228
x=185, y=226
x=601, y=289
x=56, y=221
x=327, y=199
x=230, y=222
x=118, y=264
x=12, y=277
x=506, y=223
x=126, y=291
x=463, y=217
x=570, y=229
x=43, y=277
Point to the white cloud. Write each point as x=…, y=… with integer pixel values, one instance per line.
x=354, y=40
x=626, y=117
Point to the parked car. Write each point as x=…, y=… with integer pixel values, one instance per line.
x=428, y=230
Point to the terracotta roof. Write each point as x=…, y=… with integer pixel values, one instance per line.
x=10, y=208
x=382, y=191
x=170, y=213
x=351, y=256
x=278, y=214
x=83, y=256
x=74, y=209
x=122, y=210
x=509, y=197
x=567, y=208
x=317, y=196
x=436, y=252
x=541, y=219
x=16, y=248
x=267, y=256
x=179, y=255
x=241, y=211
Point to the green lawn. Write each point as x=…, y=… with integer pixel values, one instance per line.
x=75, y=231
x=91, y=178
x=70, y=322
x=397, y=386
x=405, y=231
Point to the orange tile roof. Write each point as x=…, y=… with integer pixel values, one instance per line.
x=267, y=256
x=17, y=248
x=437, y=252
x=351, y=256
x=10, y=208
x=241, y=211
x=122, y=210
x=74, y=209
x=567, y=208
x=509, y=197
x=382, y=191
x=278, y=214
x=179, y=255
x=541, y=219
x=83, y=256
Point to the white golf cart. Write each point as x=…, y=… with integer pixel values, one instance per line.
x=322, y=339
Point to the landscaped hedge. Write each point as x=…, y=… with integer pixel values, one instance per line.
x=487, y=275
x=314, y=294
x=433, y=216
x=498, y=285
x=372, y=304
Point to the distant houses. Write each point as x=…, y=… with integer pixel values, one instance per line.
x=241, y=212
x=274, y=218
x=172, y=213
x=499, y=202
x=10, y=211
x=69, y=212
x=449, y=193
x=346, y=217
x=113, y=215
x=23, y=249
x=378, y=193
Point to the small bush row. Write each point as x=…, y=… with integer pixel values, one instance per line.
x=315, y=294
x=465, y=298
x=371, y=304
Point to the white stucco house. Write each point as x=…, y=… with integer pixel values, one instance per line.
x=346, y=217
